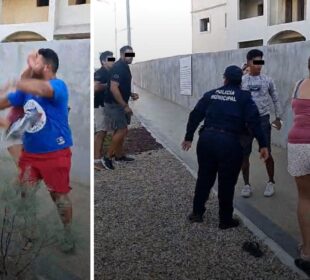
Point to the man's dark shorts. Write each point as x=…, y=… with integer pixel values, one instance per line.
x=247, y=140
x=117, y=117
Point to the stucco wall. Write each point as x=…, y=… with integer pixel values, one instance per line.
x=74, y=70
x=285, y=63
x=25, y=11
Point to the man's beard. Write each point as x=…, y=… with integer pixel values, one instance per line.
x=37, y=75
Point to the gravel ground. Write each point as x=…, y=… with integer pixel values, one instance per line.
x=141, y=230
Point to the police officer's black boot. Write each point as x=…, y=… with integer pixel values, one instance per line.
x=195, y=218
x=229, y=223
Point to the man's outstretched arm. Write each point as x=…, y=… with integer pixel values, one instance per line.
x=4, y=103
x=35, y=87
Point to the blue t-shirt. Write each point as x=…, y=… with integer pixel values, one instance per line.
x=51, y=132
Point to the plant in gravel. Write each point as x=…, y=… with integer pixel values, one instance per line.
x=22, y=237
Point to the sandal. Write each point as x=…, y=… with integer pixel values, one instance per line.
x=253, y=249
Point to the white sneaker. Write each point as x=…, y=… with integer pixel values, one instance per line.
x=269, y=191
x=246, y=191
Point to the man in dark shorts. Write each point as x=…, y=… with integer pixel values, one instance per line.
x=117, y=109
x=101, y=78
x=262, y=88
x=47, y=140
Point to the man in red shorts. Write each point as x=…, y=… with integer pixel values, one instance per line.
x=47, y=139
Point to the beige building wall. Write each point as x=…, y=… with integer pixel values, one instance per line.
x=22, y=11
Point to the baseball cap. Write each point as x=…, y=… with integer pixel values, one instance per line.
x=233, y=73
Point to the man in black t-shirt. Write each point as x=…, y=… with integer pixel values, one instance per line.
x=116, y=105
x=101, y=79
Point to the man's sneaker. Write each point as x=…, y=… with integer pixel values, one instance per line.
x=124, y=159
x=230, y=224
x=107, y=163
x=246, y=191
x=19, y=127
x=194, y=218
x=98, y=165
x=269, y=191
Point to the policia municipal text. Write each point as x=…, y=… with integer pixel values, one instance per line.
x=226, y=112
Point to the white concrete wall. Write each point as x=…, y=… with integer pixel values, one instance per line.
x=74, y=58
x=72, y=15
x=255, y=28
x=203, y=4
x=209, y=41
x=285, y=63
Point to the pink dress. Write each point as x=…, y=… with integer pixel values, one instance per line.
x=298, y=146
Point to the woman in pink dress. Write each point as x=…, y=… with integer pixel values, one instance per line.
x=299, y=164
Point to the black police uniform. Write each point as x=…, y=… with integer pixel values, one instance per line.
x=225, y=111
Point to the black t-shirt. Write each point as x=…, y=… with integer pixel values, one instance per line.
x=120, y=73
x=102, y=75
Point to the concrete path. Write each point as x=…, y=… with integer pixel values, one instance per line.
x=275, y=216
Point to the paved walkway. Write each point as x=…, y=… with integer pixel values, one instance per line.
x=275, y=216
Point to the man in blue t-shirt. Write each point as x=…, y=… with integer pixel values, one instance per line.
x=47, y=138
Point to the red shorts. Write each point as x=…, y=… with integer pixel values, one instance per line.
x=53, y=168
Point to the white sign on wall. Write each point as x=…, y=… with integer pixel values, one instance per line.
x=186, y=75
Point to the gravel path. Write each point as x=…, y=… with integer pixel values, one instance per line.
x=141, y=230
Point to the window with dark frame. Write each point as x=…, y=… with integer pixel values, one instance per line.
x=78, y=2
x=42, y=3
x=288, y=11
x=260, y=9
x=301, y=10
x=204, y=24
x=250, y=44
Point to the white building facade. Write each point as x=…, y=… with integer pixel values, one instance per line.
x=219, y=25
x=37, y=20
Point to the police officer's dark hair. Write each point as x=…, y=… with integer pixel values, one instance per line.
x=104, y=55
x=254, y=53
x=50, y=57
x=125, y=48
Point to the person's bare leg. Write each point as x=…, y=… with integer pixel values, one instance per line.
x=98, y=144
x=270, y=168
x=246, y=170
x=15, y=152
x=303, y=211
x=120, y=149
x=64, y=208
x=117, y=139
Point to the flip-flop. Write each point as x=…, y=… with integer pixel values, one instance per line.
x=253, y=249
x=303, y=265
